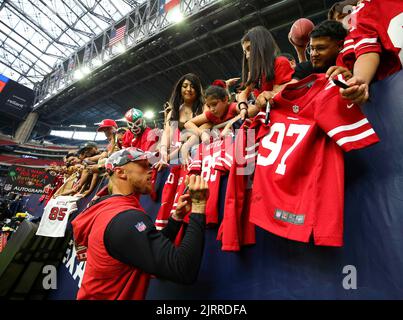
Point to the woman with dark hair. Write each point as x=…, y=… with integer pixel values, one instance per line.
x=264, y=71
x=185, y=103
x=187, y=97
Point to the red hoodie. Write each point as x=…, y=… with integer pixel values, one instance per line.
x=106, y=278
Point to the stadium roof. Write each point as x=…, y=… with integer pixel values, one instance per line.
x=207, y=43
x=36, y=34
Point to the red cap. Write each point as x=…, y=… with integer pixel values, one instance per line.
x=107, y=123
x=220, y=83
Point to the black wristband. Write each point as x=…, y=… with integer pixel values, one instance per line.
x=242, y=102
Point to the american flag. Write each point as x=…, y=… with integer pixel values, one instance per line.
x=117, y=35
x=167, y=5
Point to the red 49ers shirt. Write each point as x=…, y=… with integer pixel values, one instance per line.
x=298, y=187
x=377, y=26
x=208, y=156
x=235, y=229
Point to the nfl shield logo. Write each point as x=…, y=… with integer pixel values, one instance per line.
x=295, y=108
x=140, y=226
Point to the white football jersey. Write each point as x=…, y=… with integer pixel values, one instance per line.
x=56, y=215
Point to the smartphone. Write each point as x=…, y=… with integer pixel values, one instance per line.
x=340, y=84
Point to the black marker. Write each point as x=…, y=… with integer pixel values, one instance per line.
x=267, y=119
x=340, y=84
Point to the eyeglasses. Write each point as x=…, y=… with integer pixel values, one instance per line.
x=318, y=49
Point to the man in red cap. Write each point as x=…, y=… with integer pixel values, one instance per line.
x=109, y=127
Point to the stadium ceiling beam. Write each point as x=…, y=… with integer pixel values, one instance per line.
x=26, y=48
x=132, y=84
x=184, y=45
x=111, y=2
x=64, y=31
x=18, y=58
x=17, y=71
x=301, y=9
x=100, y=5
x=85, y=12
x=91, y=11
x=201, y=44
x=26, y=77
x=80, y=18
x=132, y=3
x=39, y=28
x=69, y=26
x=59, y=57
x=3, y=4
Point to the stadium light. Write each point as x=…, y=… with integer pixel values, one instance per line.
x=120, y=48
x=85, y=70
x=175, y=15
x=149, y=115
x=78, y=74
x=78, y=125
x=81, y=73
x=97, y=62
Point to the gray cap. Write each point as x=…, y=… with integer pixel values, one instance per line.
x=121, y=157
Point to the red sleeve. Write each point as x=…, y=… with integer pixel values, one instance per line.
x=167, y=197
x=282, y=70
x=232, y=110
x=195, y=166
x=225, y=160
x=127, y=139
x=364, y=29
x=235, y=229
x=149, y=139
x=211, y=117
x=282, y=74
x=343, y=121
x=346, y=57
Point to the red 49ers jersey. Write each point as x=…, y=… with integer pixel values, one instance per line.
x=235, y=229
x=298, y=187
x=173, y=189
x=346, y=57
x=168, y=197
x=209, y=156
x=377, y=26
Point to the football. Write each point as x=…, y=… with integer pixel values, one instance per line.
x=300, y=30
